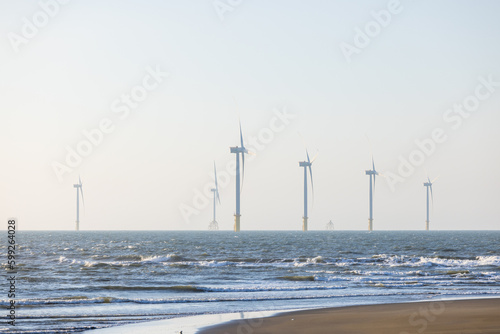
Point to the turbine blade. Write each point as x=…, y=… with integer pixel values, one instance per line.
x=307, y=154
x=83, y=200
x=437, y=177
x=432, y=196
x=314, y=158
x=374, y=177
x=373, y=164
x=312, y=183
x=241, y=137
x=242, y=169
x=216, y=184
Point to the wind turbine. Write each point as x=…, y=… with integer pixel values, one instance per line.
x=428, y=185
x=214, y=225
x=237, y=150
x=373, y=173
x=330, y=226
x=79, y=189
x=306, y=164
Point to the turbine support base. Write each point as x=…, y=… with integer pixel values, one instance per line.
x=213, y=226
x=237, y=222
x=304, y=224
x=370, y=224
x=426, y=225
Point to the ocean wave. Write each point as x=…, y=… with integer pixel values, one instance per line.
x=422, y=261
x=227, y=289
x=158, y=259
x=123, y=261
x=177, y=288
x=297, y=278
x=381, y=260
x=112, y=300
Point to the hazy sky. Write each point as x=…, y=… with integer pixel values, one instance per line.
x=168, y=80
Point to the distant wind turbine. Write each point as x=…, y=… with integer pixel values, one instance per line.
x=237, y=150
x=330, y=226
x=373, y=173
x=214, y=225
x=306, y=164
x=79, y=190
x=428, y=185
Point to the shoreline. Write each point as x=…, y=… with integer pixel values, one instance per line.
x=472, y=315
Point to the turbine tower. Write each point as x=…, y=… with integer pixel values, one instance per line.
x=79, y=189
x=306, y=164
x=237, y=150
x=214, y=225
x=428, y=185
x=373, y=173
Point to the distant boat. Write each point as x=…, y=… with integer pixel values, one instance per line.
x=330, y=226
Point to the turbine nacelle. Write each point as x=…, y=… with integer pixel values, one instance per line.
x=371, y=172
x=305, y=164
x=237, y=149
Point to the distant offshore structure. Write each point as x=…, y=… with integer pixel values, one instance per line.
x=237, y=150
x=428, y=185
x=306, y=164
x=214, y=225
x=329, y=225
x=79, y=189
x=373, y=173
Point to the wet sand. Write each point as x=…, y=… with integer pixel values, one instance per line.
x=457, y=316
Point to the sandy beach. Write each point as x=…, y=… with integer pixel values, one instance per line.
x=457, y=316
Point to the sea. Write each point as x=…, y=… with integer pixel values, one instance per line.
x=70, y=281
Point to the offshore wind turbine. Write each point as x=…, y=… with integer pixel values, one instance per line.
x=373, y=173
x=330, y=226
x=306, y=164
x=237, y=150
x=79, y=190
x=214, y=225
x=428, y=185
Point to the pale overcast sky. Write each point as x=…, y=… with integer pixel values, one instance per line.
x=165, y=82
